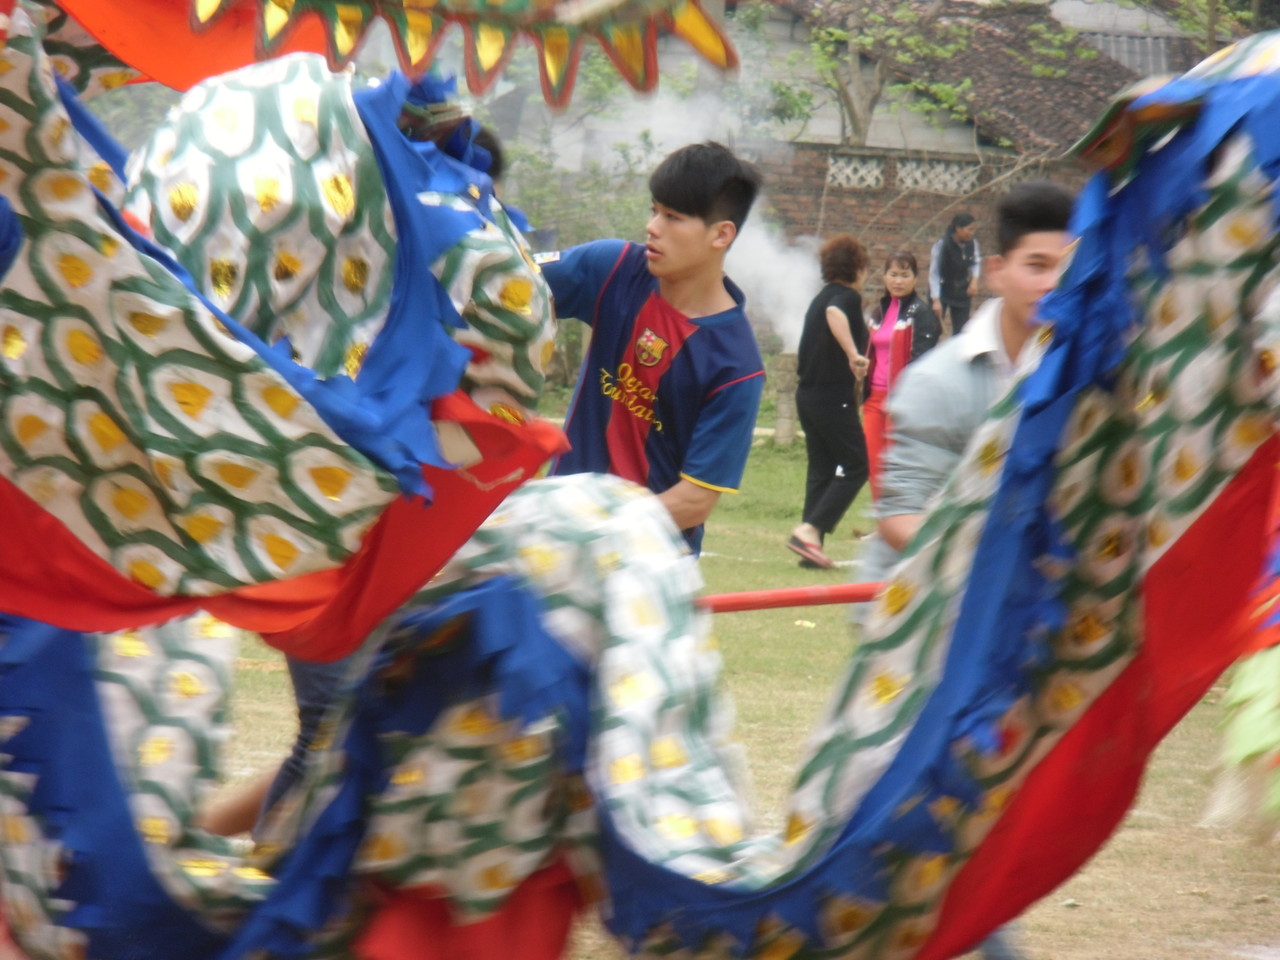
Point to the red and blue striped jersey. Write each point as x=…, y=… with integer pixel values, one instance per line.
x=661, y=397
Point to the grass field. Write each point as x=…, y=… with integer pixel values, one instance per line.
x=1163, y=888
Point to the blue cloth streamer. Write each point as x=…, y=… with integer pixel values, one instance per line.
x=91, y=128
x=11, y=236
x=47, y=675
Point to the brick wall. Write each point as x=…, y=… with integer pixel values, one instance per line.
x=888, y=199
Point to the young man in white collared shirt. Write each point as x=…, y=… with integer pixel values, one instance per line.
x=942, y=398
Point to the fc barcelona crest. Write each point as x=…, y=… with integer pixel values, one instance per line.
x=649, y=348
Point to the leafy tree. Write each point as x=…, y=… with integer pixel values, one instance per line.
x=1210, y=21
x=864, y=51
x=774, y=105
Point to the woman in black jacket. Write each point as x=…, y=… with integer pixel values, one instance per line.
x=832, y=359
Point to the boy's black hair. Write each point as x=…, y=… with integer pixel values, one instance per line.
x=707, y=181
x=1037, y=206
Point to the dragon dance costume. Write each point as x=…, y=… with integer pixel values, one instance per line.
x=547, y=704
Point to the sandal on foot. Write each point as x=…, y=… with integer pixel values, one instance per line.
x=811, y=552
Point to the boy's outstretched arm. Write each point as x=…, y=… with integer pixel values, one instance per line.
x=689, y=503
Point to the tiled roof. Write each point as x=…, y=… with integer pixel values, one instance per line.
x=1038, y=102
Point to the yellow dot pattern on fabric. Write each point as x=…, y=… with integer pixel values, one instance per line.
x=182, y=200
x=267, y=192
x=202, y=527
x=340, y=195
x=74, y=270
x=191, y=397
x=283, y=402
x=15, y=344
x=29, y=428
x=147, y=324
x=283, y=552
x=355, y=274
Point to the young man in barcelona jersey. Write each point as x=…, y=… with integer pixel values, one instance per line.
x=671, y=383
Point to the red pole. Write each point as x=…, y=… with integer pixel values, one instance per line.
x=790, y=597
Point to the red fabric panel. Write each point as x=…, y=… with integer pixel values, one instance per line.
x=1194, y=602
x=47, y=574
x=6, y=9
x=157, y=37
x=533, y=924
x=411, y=542
x=875, y=427
x=8, y=949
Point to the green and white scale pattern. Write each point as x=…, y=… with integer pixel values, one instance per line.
x=468, y=806
x=127, y=412
x=75, y=55
x=165, y=692
x=1140, y=465
x=265, y=186
x=1194, y=401
x=475, y=806
x=166, y=446
x=479, y=803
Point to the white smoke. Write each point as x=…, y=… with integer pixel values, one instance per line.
x=779, y=277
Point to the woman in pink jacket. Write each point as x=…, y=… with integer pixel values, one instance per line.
x=902, y=328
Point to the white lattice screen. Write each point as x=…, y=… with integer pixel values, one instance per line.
x=850, y=172
x=937, y=176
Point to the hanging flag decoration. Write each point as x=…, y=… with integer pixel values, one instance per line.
x=181, y=42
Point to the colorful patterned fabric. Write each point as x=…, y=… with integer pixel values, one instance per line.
x=457, y=763
x=150, y=430
x=181, y=42
x=988, y=736
x=1087, y=503
x=172, y=452
x=290, y=200
x=266, y=187
x=76, y=56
